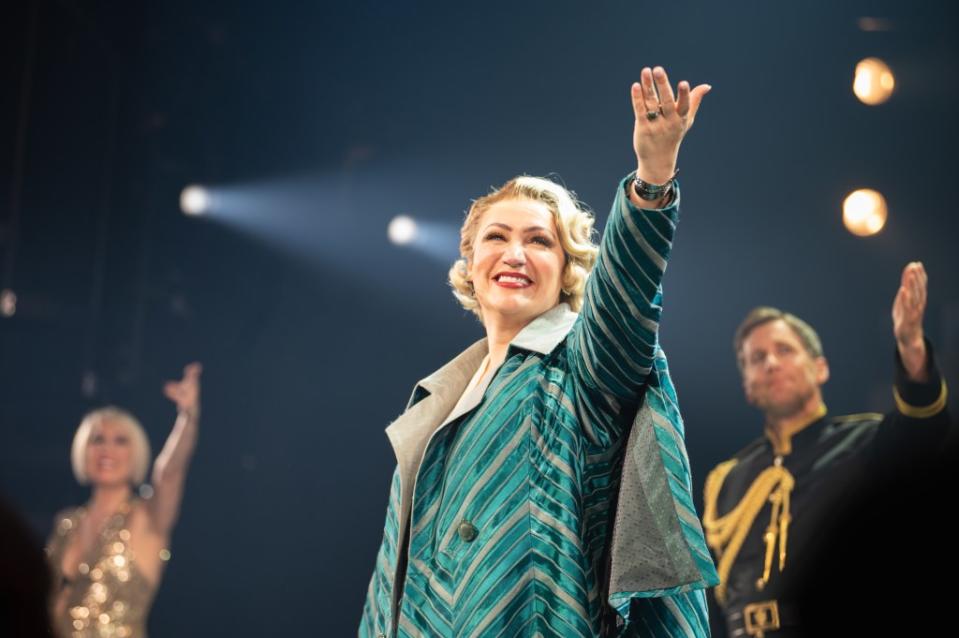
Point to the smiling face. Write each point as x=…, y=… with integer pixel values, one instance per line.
x=109, y=454
x=517, y=262
x=780, y=376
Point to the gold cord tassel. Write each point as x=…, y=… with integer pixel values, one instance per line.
x=784, y=521
x=725, y=535
x=770, y=537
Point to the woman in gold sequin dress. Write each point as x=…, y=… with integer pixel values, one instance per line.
x=108, y=555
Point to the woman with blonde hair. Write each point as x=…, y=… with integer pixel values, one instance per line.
x=108, y=555
x=503, y=516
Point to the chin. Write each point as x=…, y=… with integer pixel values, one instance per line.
x=522, y=305
x=524, y=314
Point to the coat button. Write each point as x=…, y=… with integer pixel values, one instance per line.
x=467, y=531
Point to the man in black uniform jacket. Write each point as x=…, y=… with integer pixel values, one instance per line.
x=770, y=511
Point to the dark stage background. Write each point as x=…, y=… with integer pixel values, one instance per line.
x=320, y=123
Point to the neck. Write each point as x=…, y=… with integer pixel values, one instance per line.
x=499, y=333
x=780, y=429
x=107, y=499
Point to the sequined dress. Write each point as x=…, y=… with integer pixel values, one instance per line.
x=109, y=597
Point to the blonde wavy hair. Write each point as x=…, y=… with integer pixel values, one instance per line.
x=574, y=224
x=140, y=457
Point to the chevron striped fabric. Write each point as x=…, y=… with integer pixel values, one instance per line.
x=511, y=519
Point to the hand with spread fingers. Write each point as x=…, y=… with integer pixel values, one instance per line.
x=186, y=392
x=907, y=313
x=662, y=121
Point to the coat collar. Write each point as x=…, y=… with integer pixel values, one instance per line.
x=547, y=331
x=802, y=438
x=542, y=335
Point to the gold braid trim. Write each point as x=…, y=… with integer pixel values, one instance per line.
x=725, y=534
x=922, y=412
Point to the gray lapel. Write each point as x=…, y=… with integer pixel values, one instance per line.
x=410, y=433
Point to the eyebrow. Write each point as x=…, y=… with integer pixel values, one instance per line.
x=775, y=343
x=528, y=229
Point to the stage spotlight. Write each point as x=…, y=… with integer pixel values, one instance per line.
x=195, y=200
x=8, y=303
x=864, y=212
x=402, y=230
x=874, y=81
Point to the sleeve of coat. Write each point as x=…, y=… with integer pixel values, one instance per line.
x=918, y=427
x=613, y=343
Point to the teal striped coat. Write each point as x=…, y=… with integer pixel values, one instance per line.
x=509, y=507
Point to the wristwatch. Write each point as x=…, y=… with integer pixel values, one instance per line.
x=652, y=192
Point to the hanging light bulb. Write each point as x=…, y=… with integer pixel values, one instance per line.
x=874, y=81
x=864, y=212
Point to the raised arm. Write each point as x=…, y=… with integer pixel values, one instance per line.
x=613, y=344
x=170, y=469
x=920, y=391
x=919, y=424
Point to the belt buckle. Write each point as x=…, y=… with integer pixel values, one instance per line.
x=761, y=617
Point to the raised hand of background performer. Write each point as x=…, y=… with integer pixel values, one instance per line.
x=908, y=309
